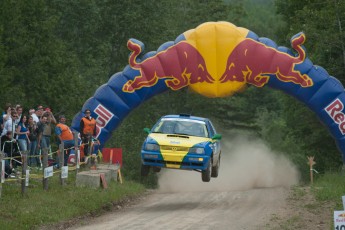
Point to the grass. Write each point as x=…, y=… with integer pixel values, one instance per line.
x=330, y=187
x=290, y=224
x=58, y=203
x=44, y=208
x=297, y=192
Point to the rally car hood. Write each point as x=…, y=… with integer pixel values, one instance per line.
x=176, y=139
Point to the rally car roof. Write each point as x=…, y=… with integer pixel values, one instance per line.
x=185, y=116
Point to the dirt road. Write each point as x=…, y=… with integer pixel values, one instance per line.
x=197, y=210
x=253, y=185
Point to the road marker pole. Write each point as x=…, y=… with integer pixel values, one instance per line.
x=311, y=162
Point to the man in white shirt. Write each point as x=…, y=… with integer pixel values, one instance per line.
x=10, y=124
x=34, y=116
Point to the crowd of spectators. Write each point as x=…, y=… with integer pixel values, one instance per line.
x=29, y=132
x=32, y=133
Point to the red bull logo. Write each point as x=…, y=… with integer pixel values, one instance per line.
x=180, y=65
x=335, y=111
x=217, y=67
x=253, y=62
x=103, y=118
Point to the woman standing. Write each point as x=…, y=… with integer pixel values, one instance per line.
x=23, y=134
x=33, y=129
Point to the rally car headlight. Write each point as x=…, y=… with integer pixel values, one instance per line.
x=197, y=150
x=151, y=147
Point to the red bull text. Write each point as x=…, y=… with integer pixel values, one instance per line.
x=103, y=118
x=335, y=111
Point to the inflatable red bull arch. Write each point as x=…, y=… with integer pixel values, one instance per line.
x=218, y=59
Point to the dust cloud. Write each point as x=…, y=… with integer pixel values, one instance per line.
x=245, y=164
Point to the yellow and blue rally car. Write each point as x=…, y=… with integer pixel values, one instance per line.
x=182, y=142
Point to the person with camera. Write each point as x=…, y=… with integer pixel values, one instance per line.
x=45, y=128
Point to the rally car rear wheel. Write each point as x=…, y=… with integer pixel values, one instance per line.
x=215, y=169
x=145, y=169
x=206, y=174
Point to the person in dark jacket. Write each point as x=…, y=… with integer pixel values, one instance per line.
x=10, y=148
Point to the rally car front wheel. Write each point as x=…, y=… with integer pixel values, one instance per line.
x=215, y=169
x=145, y=169
x=206, y=174
x=156, y=169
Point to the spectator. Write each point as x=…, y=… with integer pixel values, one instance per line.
x=22, y=134
x=65, y=136
x=47, y=132
x=41, y=141
x=33, y=133
x=87, y=131
x=6, y=114
x=33, y=115
x=39, y=112
x=10, y=124
x=9, y=146
x=19, y=110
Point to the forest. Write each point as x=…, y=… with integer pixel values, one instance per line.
x=58, y=52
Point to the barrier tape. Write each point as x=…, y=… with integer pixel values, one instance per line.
x=40, y=155
x=314, y=170
x=38, y=176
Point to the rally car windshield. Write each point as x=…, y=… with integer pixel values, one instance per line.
x=181, y=126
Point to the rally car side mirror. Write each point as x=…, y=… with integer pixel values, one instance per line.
x=147, y=130
x=217, y=137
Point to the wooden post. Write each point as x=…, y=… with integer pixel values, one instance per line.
x=111, y=157
x=62, y=162
x=76, y=152
x=45, y=165
x=119, y=176
x=92, y=157
x=1, y=157
x=311, y=162
x=24, y=167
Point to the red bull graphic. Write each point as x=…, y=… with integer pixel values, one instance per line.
x=335, y=111
x=253, y=62
x=103, y=117
x=218, y=59
x=185, y=66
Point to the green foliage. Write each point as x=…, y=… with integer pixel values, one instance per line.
x=58, y=52
x=59, y=203
x=330, y=187
x=322, y=23
x=304, y=135
x=260, y=17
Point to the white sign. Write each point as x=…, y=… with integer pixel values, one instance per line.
x=64, y=171
x=339, y=220
x=48, y=172
x=2, y=171
x=27, y=175
x=78, y=159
